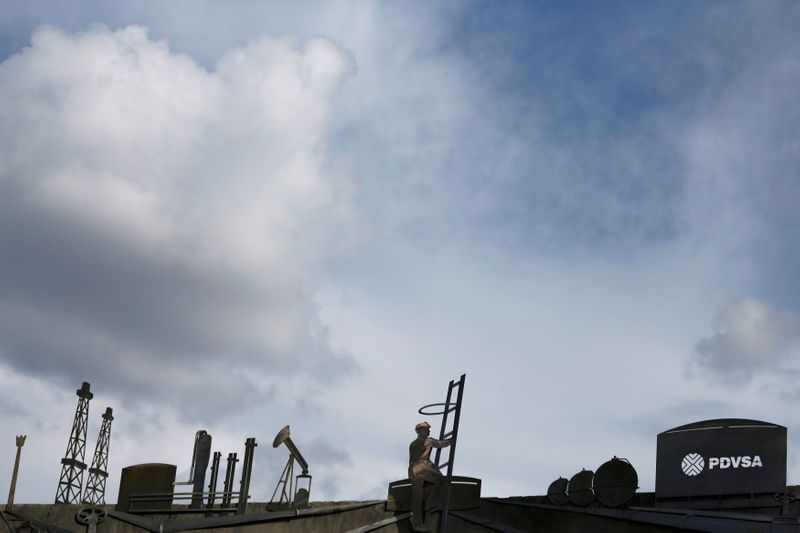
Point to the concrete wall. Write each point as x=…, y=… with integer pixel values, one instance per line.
x=344, y=516
x=319, y=519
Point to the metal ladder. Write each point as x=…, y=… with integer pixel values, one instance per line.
x=451, y=405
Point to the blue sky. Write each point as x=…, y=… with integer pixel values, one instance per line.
x=334, y=208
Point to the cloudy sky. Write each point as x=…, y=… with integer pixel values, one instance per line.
x=239, y=215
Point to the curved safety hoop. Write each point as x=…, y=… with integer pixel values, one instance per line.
x=422, y=409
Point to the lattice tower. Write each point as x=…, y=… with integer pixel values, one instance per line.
x=71, y=481
x=95, y=491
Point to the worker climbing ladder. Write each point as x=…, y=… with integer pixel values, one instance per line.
x=458, y=493
x=451, y=415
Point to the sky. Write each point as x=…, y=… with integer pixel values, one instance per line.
x=238, y=215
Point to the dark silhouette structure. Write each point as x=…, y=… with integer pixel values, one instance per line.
x=725, y=463
x=73, y=467
x=95, y=492
x=230, y=474
x=294, y=492
x=20, y=443
x=247, y=469
x=197, y=472
x=212, y=484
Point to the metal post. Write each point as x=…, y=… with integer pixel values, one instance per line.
x=95, y=492
x=71, y=480
x=20, y=444
x=247, y=467
x=212, y=485
x=230, y=473
x=285, y=485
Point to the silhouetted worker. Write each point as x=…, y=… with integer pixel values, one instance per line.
x=421, y=471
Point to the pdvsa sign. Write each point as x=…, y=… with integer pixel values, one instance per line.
x=720, y=459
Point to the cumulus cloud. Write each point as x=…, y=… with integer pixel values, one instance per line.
x=159, y=222
x=749, y=337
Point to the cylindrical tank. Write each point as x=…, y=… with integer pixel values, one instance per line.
x=615, y=482
x=580, y=488
x=149, y=478
x=557, y=492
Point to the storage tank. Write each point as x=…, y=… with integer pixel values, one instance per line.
x=144, y=479
x=557, y=492
x=615, y=482
x=580, y=488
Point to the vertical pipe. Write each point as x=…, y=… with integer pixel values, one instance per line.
x=202, y=453
x=13, y=488
x=212, y=485
x=230, y=473
x=247, y=467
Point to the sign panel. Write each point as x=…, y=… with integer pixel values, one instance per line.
x=725, y=457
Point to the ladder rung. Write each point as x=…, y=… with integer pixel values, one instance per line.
x=448, y=435
x=444, y=464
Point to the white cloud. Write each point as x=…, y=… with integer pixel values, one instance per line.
x=156, y=213
x=749, y=336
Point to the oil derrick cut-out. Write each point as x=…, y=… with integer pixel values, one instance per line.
x=71, y=481
x=95, y=492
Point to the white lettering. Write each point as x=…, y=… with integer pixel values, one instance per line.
x=740, y=461
x=692, y=466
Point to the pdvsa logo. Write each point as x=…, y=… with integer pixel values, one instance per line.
x=693, y=463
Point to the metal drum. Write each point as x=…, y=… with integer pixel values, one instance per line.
x=615, y=482
x=557, y=493
x=580, y=488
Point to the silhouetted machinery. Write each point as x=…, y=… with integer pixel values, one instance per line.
x=197, y=472
x=151, y=487
x=294, y=492
x=580, y=488
x=615, y=482
x=613, y=485
x=146, y=486
x=557, y=492
x=71, y=481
